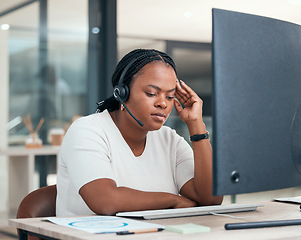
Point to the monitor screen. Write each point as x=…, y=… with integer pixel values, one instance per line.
x=256, y=103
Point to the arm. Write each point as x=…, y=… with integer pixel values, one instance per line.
x=103, y=197
x=199, y=188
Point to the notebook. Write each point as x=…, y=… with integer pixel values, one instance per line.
x=188, y=212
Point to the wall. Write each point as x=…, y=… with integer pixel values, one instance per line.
x=4, y=91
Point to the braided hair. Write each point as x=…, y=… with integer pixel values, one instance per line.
x=142, y=57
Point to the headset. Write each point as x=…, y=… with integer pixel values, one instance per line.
x=121, y=91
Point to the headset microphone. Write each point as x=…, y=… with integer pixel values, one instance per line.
x=116, y=95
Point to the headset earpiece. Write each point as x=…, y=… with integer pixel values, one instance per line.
x=122, y=91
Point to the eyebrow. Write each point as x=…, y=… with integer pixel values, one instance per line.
x=156, y=87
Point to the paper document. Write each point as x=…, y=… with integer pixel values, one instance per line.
x=104, y=224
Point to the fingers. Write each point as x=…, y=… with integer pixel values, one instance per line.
x=186, y=87
x=181, y=94
x=177, y=105
x=185, y=94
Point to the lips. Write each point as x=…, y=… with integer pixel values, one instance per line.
x=159, y=117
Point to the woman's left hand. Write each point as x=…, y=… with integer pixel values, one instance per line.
x=193, y=105
x=199, y=188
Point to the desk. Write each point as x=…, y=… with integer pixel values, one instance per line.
x=271, y=210
x=21, y=167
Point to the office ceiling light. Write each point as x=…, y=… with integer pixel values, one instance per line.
x=5, y=26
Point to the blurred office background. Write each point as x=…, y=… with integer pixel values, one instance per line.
x=57, y=57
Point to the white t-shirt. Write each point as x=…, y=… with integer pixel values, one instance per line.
x=94, y=148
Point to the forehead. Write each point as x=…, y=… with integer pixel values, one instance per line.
x=155, y=72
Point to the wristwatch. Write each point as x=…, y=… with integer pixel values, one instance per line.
x=198, y=137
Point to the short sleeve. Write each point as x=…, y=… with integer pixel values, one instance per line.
x=85, y=153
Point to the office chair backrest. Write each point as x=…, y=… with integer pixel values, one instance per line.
x=39, y=203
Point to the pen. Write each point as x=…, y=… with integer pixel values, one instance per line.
x=279, y=223
x=140, y=231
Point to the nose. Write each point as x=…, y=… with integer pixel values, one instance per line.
x=161, y=102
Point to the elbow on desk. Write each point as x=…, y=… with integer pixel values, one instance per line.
x=104, y=207
x=107, y=211
x=218, y=200
x=214, y=200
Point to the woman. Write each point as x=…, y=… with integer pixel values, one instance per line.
x=110, y=162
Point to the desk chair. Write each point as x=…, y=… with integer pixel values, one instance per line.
x=39, y=203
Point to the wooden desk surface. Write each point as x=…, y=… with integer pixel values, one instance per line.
x=270, y=211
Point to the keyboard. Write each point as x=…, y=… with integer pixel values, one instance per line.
x=189, y=212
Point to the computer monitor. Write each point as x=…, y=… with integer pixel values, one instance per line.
x=256, y=103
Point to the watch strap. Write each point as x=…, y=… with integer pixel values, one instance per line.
x=198, y=137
